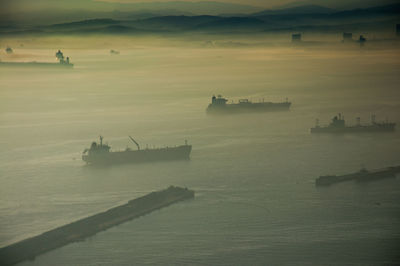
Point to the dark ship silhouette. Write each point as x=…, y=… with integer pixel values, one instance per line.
x=62, y=62
x=9, y=50
x=363, y=175
x=338, y=125
x=219, y=105
x=100, y=154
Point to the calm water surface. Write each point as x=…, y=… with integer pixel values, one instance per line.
x=256, y=203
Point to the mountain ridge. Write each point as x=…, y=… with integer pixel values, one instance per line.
x=252, y=23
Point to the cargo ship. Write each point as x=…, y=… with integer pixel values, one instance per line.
x=101, y=154
x=362, y=175
x=63, y=62
x=29, y=248
x=219, y=105
x=338, y=125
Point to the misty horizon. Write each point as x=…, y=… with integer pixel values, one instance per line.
x=254, y=135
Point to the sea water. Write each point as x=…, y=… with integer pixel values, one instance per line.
x=256, y=202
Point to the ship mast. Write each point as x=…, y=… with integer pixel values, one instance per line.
x=134, y=141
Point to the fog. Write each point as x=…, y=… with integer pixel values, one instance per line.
x=256, y=202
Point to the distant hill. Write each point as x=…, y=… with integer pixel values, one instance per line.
x=27, y=11
x=348, y=17
x=86, y=23
x=113, y=29
x=232, y=24
x=393, y=9
x=338, y=4
x=299, y=18
x=305, y=9
x=172, y=23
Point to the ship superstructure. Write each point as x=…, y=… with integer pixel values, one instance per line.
x=220, y=105
x=63, y=60
x=338, y=125
x=100, y=153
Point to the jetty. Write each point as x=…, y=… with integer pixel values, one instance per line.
x=363, y=175
x=79, y=230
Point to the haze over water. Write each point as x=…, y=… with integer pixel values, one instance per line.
x=256, y=202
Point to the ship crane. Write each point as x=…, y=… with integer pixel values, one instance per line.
x=134, y=141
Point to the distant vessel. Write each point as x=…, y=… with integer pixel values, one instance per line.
x=100, y=154
x=362, y=40
x=338, y=126
x=9, y=50
x=363, y=175
x=62, y=62
x=219, y=105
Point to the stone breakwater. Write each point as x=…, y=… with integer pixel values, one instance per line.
x=86, y=227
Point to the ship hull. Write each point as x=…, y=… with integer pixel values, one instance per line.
x=140, y=156
x=355, y=129
x=247, y=107
x=35, y=64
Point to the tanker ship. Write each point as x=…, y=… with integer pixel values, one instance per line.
x=218, y=105
x=100, y=154
x=338, y=125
